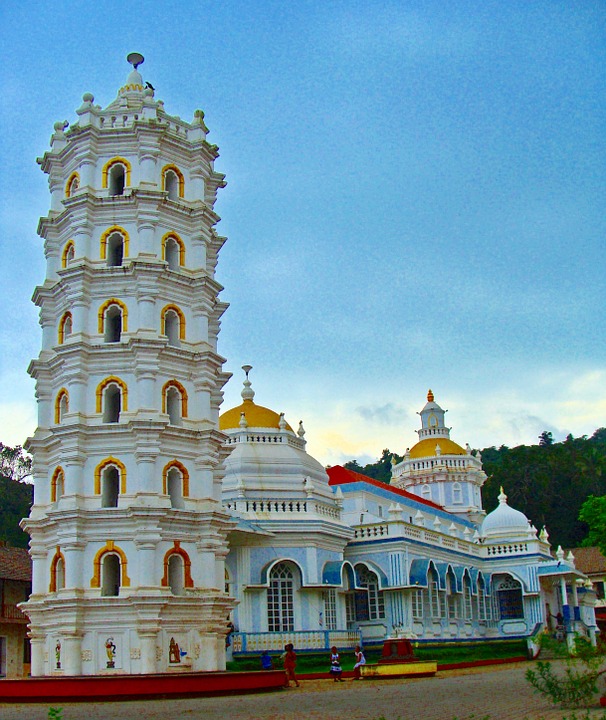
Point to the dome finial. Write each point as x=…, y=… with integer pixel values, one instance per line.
x=248, y=393
x=135, y=59
x=502, y=497
x=429, y=396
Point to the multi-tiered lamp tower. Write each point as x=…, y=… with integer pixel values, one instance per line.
x=128, y=537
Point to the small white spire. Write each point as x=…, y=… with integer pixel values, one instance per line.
x=452, y=529
x=243, y=424
x=438, y=449
x=301, y=430
x=502, y=497
x=468, y=448
x=544, y=535
x=570, y=558
x=282, y=422
x=560, y=553
x=309, y=486
x=247, y=393
x=436, y=523
x=419, y=518
x=339, y=496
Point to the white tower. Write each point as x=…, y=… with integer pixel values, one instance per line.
x=438, y=469
x=128, y=537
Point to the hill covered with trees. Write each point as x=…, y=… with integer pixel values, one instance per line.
x=549, y=481
x=16, y=495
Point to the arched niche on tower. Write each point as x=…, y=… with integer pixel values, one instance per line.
x=110, y=481
x=175, y=483
x=116, y=176
x=173, y=182
x=111, y=398
x=173, y=251
x=174, y=401
x=61, y=406
x=114, y=246
x=110, y=575
x=177, y=570
x=72, y=184
x=57, y=484
x=57, y=571
x=173, y=324
x=112, y=320
x=68, y=255
x=65, y=327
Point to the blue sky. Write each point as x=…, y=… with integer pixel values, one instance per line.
x=415, y=199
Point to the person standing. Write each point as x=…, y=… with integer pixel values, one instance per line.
x=290, y=663
x=335, y=664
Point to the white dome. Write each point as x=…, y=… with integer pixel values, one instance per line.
x=504, y=521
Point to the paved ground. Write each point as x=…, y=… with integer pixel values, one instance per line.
x=498, y=692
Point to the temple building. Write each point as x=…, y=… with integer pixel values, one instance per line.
x=165, y=536
x=324, y=557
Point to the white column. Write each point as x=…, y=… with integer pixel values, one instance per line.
x=38, y=644
x=71, y=654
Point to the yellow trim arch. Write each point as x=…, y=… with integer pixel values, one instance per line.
x=101, y=467
x=108, y=381
x=178, y=550
x=109, y=548
x=105, y=307
x=108, y=166
x=58, y=400
x=69, y=245
x=177, y=310
x=55, y=482
x=110, y=231
x=52, y=587
x=184, y=474
x=180, y=243
x=182, y=391
x=70, y=189
x=179, y=175
x=61, y=333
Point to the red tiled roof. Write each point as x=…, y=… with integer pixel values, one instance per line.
x=15, y=564
x=589, y=560
x=339, y=475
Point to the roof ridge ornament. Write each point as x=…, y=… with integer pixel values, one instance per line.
x=135, y=59
x=247, y=393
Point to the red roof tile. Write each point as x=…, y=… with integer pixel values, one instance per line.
x=15, y=564
x=589, y=560
x=339, y=475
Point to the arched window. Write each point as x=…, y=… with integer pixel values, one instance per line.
x=110, y=481
x=112, y=397
x=175, y=482
x=174, y=402
x=72, y=184
x=65, y=327
x=370, y=582
x=173, y=182
x=457, y=494
x=116, y=175
x=281, y=598
x=434, y=594
x=173, y=324
x=177, y=570
x=113, y=320
x=110, y=570
x=453, y=598
x=57, y=484
x=68, y=254
x=483, y=603
x=509, y=600
x=57, y=572
x=467, y=598
x=426, y=492
x=114, y=246
x=173, y=251
x=61, y=405
x=110, y=574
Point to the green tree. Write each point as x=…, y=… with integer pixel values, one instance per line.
x=16, y=496
x=14, y=463
x=593, y=512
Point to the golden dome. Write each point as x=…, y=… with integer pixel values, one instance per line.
x=427, y=448
x=256, y=416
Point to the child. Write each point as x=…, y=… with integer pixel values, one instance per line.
x=290, y=663
x=266, y=661
x=335, y=665
x=360, y=660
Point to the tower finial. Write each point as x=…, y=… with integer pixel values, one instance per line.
x=247, y=393
x=429, y=396
x=135, y=59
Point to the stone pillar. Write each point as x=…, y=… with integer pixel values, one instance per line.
x=575, y=601
x=38, y=643
x=71, y=654
x=147, y=639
